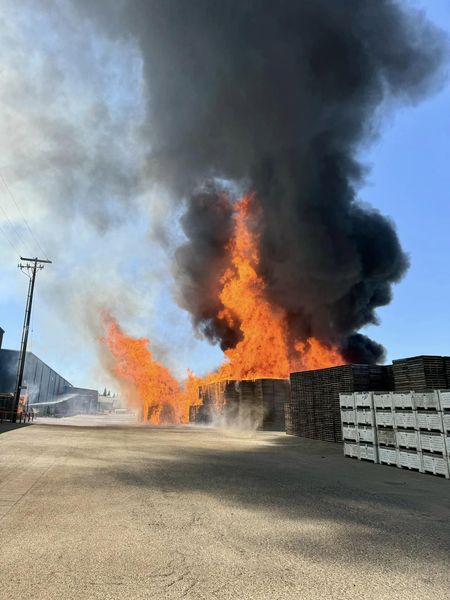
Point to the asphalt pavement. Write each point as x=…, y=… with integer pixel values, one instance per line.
x=123, y=512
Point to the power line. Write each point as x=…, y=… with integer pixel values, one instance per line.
x=14, y=229
x=8, y=240
x=22, y=215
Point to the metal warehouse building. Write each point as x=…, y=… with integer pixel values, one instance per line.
x=48, y=392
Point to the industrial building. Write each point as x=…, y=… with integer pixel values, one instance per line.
x=48, y=393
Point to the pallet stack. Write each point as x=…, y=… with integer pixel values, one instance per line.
x=410, y=430
x=447, y=369
x=421, y=373
x=214, y=398
x=314, y=410
x=251, y=405
x=245, y=403
x=275, y=394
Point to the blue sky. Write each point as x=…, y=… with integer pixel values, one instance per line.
x=408, y=180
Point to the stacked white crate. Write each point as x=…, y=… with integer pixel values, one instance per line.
x=407, y=439
x=349, y=428
x=430, y=409
x=384, y=421
x=408, y=430
x=358, y=426
x=444, y=400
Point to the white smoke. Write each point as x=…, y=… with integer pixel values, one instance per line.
x=72, y=155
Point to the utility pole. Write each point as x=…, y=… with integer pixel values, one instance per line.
x=30, y=269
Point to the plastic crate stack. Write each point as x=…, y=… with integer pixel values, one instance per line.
x=410, y=430
x=358, y=426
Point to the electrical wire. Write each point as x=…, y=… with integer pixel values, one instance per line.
x=14, y=229
x=11, y=195
x=9, y=241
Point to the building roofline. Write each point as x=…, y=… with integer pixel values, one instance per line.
x=42, y=361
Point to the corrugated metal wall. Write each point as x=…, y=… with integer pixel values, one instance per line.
x=43, y=383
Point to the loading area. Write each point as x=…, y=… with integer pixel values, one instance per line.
x=196, y=512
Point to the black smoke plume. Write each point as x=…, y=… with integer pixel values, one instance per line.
x=278, y=96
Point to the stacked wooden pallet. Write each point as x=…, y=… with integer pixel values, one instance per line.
x=251, y=410
x=410, y=430
x=247, y=403
x=447, y=369
x=314, y=410
x=214, y=399
x=421, y=373
x=275, y=393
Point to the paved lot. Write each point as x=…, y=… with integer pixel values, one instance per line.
x=127, y=512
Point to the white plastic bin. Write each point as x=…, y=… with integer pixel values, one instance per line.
x=432, y=421
x=366, y=434
x=348, y=415
x=437, y=465
x=407, y=439
x=365, y=416
x=346, y=401
x=432, y=442
x=384, y=418
x=446, y=421
x=388, y=456
x=426, y=400
x=386, y=437
x=410, y=460
x=383, y=400
x=350, y=432
x=368, y=452
x=403, y=400
x=405, y=419
x=351, y=450
x=363, y=399
x=444, y=399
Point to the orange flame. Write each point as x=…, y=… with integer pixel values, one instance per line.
x=147, y=385
x=265, y=350
x=312, y=354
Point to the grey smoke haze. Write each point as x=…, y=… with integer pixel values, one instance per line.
x=280, y=96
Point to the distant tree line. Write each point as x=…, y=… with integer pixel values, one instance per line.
x=108, y=393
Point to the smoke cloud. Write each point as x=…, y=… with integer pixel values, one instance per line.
x=279, y=97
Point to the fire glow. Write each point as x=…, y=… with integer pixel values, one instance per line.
x=264, y=350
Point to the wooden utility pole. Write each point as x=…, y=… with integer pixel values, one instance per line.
x=30, y=268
